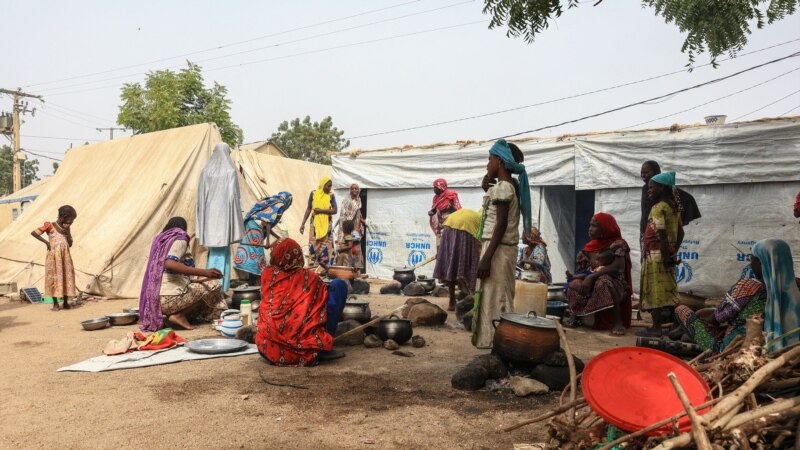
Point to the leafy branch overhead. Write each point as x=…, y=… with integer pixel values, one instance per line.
x=716, y=26
x=310, y=141
x=175, y=99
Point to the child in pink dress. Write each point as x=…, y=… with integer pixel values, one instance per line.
x=59, y=274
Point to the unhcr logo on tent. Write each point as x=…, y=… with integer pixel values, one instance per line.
x=683, y=272
x=415, y=257
x=375, y=256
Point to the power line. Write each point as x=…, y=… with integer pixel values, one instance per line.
x=42, y=156
x=310, y=52
x=61, y=138
x=767, y=105
x=56, y=116
x=49, y=103
x=227, y=45
x=787, y=112
x=278, y=44
x=679, y=91
x=569, y=97
x=715, y=100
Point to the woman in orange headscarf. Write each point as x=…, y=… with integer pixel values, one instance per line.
x=298, y=313
x=606, y=291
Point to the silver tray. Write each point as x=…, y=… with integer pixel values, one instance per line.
x=216, y=346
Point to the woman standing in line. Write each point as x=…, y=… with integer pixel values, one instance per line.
x=505, y=199
x=259, y=222
x=321, y=207
x=445, y=201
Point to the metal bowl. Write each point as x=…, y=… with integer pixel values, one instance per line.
x=125, y=318
x=98, y=323
x=131, y=310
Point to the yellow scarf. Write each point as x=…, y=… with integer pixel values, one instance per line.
x=321, y=201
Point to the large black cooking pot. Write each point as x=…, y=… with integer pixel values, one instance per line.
x=252, y=293
x=396, y=329
x=404, y=275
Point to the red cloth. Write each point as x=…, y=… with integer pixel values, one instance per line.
x=158, y=340
x=441, y=202
x=797, y=201
x=293, y=312
x=604, y=320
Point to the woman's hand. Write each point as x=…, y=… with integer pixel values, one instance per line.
x=214, y=274
x=669, y=262
x=484, y=268
x=48, y=246
x=568, y=274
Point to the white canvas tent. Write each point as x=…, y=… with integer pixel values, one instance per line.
x=399, y=183
x=743, y=175
x=124, y=191
x=261, y=175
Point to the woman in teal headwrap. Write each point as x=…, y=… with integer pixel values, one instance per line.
x=782, y=312
x=505, y=199
x=662, y=237
x=259, y=222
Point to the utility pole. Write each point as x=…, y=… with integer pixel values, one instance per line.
x=15, y=153
x=111, y=131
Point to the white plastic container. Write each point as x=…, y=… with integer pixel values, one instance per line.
x=530, y=296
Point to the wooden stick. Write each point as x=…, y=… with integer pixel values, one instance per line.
x=732, y=347
x=765, y=421
x=741, y=439
x=547, y=415
x=366, y=325
x=699, y=357
x=685, y=439
x=654, y=426
x=779, y=385
x=698, y=431
x=573, y=380
x=736, y=397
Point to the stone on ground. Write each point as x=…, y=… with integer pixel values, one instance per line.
x=470, y=378
x=494, y=366
x=360, y=287
x=344, y=327
x=414, y=289
x=524, y=387
x=392, y=288
x=372, y=341
x=417, y=341
x=391, y=345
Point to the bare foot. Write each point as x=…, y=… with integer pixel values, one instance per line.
x=66, y=304
x=181, y=321
x=55, y=305
x=618, y=330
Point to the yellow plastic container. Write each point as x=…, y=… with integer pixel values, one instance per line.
x=530, y=296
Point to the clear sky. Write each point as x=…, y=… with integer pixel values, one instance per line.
x=375, y=71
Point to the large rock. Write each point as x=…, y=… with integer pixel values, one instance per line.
x=414, y=289
x=524, y=387
x=344, y=327
x=556, y=378
x=372, y=341
x=470, y=378
x=360, y=287
x=558, y=358
x=494, y=366
x=392, y=288
x=427, y=314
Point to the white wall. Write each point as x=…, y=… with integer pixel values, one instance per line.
x=733, y=215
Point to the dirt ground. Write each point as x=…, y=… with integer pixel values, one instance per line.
x=369, y=399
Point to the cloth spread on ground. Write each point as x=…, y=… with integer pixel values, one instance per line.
x=150, y=296
x=219, y=205
x=146, y=358
x=782, y=312
x=158, y=340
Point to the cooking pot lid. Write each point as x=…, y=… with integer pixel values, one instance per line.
x=246, y=289
x=356, y=302
x=403, y=269
x=529, y=320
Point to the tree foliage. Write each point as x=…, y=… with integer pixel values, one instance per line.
x=310, y=141
x=30, y=171
x=716, y=26
x=175, y=99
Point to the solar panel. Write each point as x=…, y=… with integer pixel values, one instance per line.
x=32, y=294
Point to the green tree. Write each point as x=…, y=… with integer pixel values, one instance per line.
x=30, y=171
x=310, y=141
x=175, y=99
x=719, y=26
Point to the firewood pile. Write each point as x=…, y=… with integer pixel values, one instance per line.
x=754, y=404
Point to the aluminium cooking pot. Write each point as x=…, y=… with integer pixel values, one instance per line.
x=404, y=275
x=355, y=309
x=395, y=328
x=252, y=293
x=555, y=292
x=428, y=283
x=524, y=338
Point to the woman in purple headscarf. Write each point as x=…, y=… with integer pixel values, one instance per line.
x=166, y=288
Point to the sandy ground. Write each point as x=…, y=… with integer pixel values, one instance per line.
x=369, y=399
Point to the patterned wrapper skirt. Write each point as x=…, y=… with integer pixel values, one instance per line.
x=204, y=299
x=458, y=257
x=658, y=285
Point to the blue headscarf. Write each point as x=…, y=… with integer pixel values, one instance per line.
x=782, y=312
x=502, y=150
x=665, y=179
x=270, y=209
